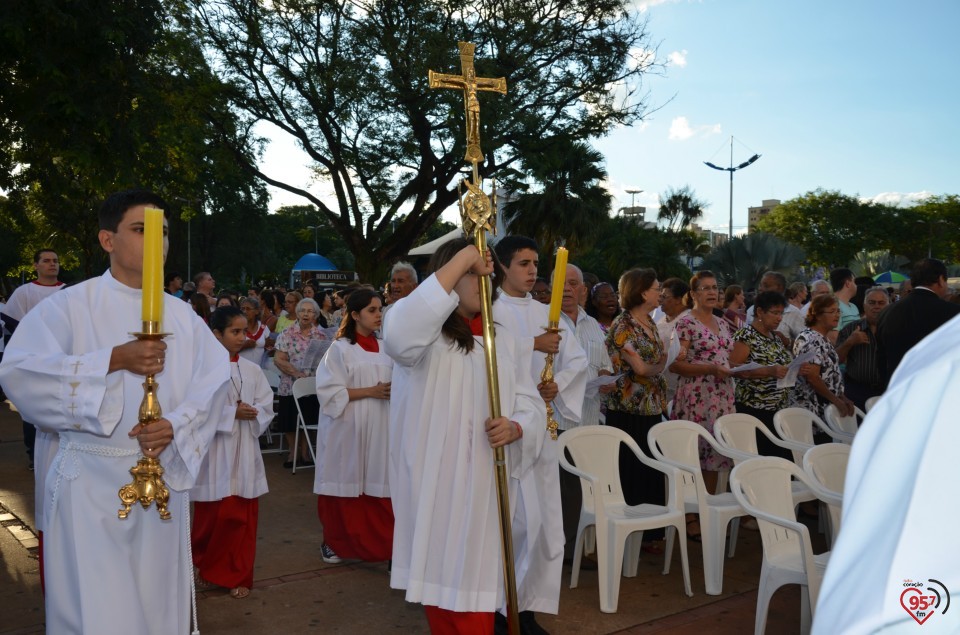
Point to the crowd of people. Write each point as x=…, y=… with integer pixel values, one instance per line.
x=404, y=469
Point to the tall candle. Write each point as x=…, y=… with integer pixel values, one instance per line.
x=559, y=276
x=152, y=265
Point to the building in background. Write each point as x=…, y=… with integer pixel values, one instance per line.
x=754, y=214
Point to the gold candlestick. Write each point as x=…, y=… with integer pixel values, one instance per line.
x=547, y=375
x=147, y=485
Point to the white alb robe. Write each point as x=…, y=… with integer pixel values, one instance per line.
x=105, y=575
x=233, y=465
x=538, y=520
x=353, y=437
x=446, y=541
x=900, y=506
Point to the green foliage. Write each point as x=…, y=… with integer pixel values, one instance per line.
x=348, y=81
x=623, y=244
x=744, y=260
x=679, y=208
x=570, y=204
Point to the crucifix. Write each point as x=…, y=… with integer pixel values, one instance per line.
x=469, y=83
x=477, y=213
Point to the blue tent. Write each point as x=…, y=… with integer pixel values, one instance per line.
x=314, y=262
x=315, y=266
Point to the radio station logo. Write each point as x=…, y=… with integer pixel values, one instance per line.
x=922, y=601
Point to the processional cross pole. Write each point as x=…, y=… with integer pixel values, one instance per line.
x=478, y=215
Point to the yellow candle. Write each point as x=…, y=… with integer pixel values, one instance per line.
x=152, y=265
x=559, y=276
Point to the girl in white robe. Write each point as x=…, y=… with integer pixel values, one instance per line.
x=353, y=388
x=446, y=546
x=232, y=477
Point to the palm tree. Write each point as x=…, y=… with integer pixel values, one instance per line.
x=744, y=260
x=570, y=205
x=679, y=208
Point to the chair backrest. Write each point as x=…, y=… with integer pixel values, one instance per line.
x=871, y=402
x=846, y=425
x=304, y=386
x=677, y=443
x=797, y=424
x=595, y=451
x=827, y=465
x=739, y=432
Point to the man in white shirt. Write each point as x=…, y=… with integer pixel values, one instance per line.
x=591, y=338
x=46, y=263
x=538, y=519
x=73, y=368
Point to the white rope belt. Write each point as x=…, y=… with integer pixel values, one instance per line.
x=67, y=465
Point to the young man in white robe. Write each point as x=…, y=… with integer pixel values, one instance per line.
x=73, y=368
x=538, y=520
x=446, y=541
x=897, y=553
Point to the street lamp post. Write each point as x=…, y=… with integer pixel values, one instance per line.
x=316, y=244
x=731, y=170
x=633, y=194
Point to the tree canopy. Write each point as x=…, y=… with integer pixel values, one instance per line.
x=348, y=82
x=745, y=259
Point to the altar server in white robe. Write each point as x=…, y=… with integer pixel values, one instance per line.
x=446, y=547
x=73, y=368
x=353, y=389
x=232, y=478
x=538, y=523
x=900, y=504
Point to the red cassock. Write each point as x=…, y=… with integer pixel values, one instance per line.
x=224, y=540
x=358, y=528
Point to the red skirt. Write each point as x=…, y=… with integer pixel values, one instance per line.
x=224, y=540
x=444, y=622
x=357, y=528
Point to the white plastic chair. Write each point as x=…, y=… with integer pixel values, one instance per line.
x=796, y=425
x=304, y=387
x=871, y=402
x=736, y=433
x=619, y=527
x=843, y=425
x=676, y=444
x=762, y=487
x=273, y=379
x=826, y=465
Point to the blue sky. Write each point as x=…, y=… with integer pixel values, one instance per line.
x=861, y=96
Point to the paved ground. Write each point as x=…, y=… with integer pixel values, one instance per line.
x=295, y=592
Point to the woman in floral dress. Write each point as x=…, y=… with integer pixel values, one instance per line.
x=638, y=400
x=705, y=388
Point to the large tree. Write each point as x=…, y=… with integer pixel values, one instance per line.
x=348, y=81
x=679, y=208
x=744, y=260
x=830, y=227
x=101, y=95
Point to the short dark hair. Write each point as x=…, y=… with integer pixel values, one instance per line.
x=927, y=272
x=677, y=287
x=779, y=277
x=223, y=317
x=633, y=284
x=117, y=204
x=40, y=252
x=510, y=245
x=170, y=277
x=839, y=277
x=766, y=300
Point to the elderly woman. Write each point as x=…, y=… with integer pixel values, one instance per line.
x=705, y=388
x=823, y=384
x=603, y=305
x=639, y=399
x=291, y=361
x=756, y=392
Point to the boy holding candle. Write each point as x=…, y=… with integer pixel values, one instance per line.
x=74, y=369
x=537, y=523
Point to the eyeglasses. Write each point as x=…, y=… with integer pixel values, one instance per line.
x=710, y=288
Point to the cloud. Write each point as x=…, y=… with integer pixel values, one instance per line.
x=898, y=199
x=643, y=5
x=681, y=130
x=678, y=58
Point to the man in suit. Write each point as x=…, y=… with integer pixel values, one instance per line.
x=903, y=324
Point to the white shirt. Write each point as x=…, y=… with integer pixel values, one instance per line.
x=104, y=574
x=593, y=342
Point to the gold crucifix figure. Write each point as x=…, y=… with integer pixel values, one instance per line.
x=469, y=83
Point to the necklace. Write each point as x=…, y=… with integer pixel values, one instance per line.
x=239, y=388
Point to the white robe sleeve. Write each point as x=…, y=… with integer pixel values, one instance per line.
x=262, y=401
x=570, y=375
x=415, y=321
x=527, y=408
x=332, y=379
